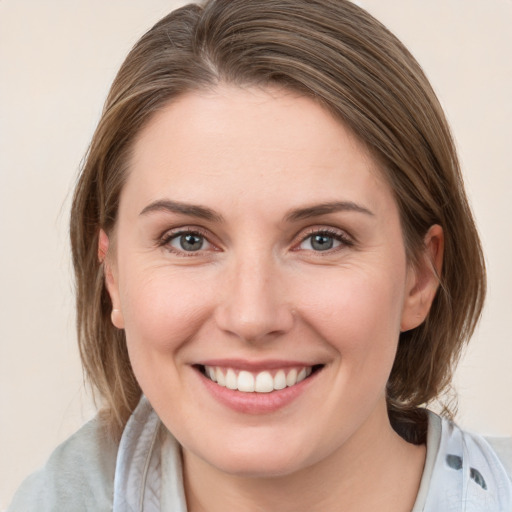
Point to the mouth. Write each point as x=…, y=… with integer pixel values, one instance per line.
x=266, y=381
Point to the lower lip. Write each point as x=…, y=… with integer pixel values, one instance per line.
x=257, y=403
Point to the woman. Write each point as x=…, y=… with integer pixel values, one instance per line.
x=276, y=268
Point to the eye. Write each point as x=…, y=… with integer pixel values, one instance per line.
x=322, y=241
x=186, y=241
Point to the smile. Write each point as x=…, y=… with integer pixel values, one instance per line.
x=257, y=382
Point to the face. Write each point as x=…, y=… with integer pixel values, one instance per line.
x=261, y=278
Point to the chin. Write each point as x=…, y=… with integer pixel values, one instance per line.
x=257, y=461
x=260, y=466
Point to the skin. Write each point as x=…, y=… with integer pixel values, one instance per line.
x=259, y=290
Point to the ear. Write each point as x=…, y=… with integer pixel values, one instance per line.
x=423, y=280
x=110, y=280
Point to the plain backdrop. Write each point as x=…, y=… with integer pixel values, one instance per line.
x=57, y=60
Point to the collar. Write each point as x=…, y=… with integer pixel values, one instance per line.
x=462, y=472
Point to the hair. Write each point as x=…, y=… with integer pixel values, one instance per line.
x=339, y=55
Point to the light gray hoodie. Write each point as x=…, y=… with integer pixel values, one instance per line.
x=463, y=473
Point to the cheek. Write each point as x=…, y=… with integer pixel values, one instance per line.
x=355, y=301
x=162, y=308
x=358, y=315
x=360, y=320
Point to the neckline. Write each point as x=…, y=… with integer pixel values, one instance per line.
x=433, y=443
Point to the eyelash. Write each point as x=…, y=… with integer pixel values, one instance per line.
x=166, y=239
x=338, y=235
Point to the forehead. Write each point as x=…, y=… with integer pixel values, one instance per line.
x=250, y=144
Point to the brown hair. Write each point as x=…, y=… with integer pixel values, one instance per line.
x=336, y=53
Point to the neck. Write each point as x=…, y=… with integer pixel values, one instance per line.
x=374, y=470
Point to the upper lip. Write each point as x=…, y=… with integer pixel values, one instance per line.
x=256, y=366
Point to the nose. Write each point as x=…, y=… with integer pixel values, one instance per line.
x=253, y=304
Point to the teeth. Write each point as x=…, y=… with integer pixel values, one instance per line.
x=211, y=373
x=262, y=382
x=280, y=380
x=302, y=375
x=231, y=381
x=221, y=380
x=245, y=382
x=291, y=378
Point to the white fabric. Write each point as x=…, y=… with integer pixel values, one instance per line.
x=462, y=472
x=148, y=469
x=480, y=484
x=137, y=480
x=467, y=475
x=433, y=441
x=78, y=476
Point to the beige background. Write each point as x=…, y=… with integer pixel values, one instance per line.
x=57, y=59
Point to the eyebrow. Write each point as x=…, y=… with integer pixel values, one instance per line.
x=324, y=209
x=202, y=212
x=192, y=210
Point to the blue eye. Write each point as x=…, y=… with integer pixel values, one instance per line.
x=187, y=242
x=322, y=241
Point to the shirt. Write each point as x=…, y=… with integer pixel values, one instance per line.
x=87, y=472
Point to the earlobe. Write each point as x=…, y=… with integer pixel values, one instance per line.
x=423, y=280
x=116, y=315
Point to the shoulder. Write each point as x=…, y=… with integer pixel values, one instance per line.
x=502, y=446
x=79, y=475
x=497, y=448
x=467, y=469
